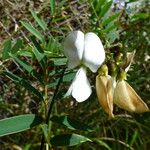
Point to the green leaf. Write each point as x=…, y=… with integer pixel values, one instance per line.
x=27, y=67
x=70, y=123
x=31, y=29
x=17, y=46
x=52, y=6
x=99, y=4
x=140, y=16
x=23, y=63
x=23, y=83
x=112, y=35
x=6, y=49
x=40, y=22
x=59, y=61
x=111, y=28
x=102, y=143
x=68, y=140
x=110, y=19
x=134, y=138
x=68, y=77
x=18, y=123
x=105, y=9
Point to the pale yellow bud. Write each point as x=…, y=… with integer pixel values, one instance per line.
x=126, y=98
x=104, y=90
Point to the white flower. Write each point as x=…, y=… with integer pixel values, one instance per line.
x=86, y=51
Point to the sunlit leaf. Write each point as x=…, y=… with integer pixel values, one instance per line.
x=18, y=123
x=34, y=31
x=105, y=8
x=40, y=21
x=99, y=4
x=110, y=19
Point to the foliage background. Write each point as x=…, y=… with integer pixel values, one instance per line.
x=126, y=131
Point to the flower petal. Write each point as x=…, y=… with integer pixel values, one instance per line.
x=81, y=89
x=104, y=90
x=94, y=54
x=126, y=98
x=73, y=48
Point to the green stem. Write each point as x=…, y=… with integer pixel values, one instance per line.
x=52, y=104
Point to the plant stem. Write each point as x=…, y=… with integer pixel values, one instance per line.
x=52, y=104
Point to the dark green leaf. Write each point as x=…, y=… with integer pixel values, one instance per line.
x=40, y=22
x=70, y=123
x=6, y=49
x=16, y=47
x=68, y=140
x=38, y=51
x=35, y=32
x=23, y=83
x=27, y=67
x=18, y=123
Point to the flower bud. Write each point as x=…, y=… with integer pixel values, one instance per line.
x=104, y=90
x=126, y=98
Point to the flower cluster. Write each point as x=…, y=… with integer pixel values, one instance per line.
x=87, y=51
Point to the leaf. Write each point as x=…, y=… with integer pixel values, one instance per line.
x=40, y=22
x=99, y=4
x=112, y=35
x=38, y=51
x=27, y=67
x=140, y=16
x=23, y=63
x=102, y=143
x=70, y=123
x=18, y=123
x=110, y=19
x=6, y=49
x=68, y=140
x=110, y=28
x=68, y=77
x=31, y=29
x=23, y=83
x=52, y=6
x=105, y=8
x=134, y=138
x=17, y=46
x=59, y=61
